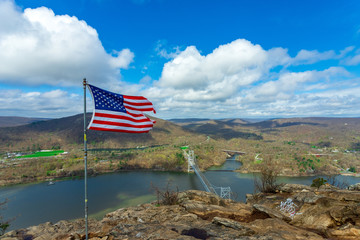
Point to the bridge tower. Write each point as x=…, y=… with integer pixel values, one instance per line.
x=225, y=192
x=191, y=161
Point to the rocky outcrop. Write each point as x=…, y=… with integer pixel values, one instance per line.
x=328, y=211
x=271, y=212
x=295, y=212
x=355, y=187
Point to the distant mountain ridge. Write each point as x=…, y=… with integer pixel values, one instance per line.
x=12, y=121
x=289, y=127
x=187, y=120
x=69, y=132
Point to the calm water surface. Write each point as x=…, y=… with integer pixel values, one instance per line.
x=33, y=204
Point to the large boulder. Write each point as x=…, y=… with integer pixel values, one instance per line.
x=326, y=210
x=345, y=232
x=277, y=229
x=290, y=188
x=355, y=187
x=274, y=213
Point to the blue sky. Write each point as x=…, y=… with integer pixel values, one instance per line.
x=214, y=59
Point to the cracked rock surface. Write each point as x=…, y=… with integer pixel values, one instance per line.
x=324, y=213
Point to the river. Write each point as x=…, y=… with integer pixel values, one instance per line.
x=32, y=204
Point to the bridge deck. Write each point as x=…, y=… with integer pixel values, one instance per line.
x=224, y=192
x=233, y=151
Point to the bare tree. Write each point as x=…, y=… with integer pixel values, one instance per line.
x=166, y=196
x=266, y=180
x=3, y=224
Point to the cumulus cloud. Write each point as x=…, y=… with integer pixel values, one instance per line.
x=53, y=103
x=288, y=82
x=332, y=102
x=39, y=47
x=218, y=75
x=237, y=79
x=122, y=59
x=240, y=79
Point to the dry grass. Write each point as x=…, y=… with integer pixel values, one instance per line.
x=167, y=196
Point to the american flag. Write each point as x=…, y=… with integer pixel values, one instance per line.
x=120, y=113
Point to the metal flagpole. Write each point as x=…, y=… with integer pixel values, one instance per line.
x=85, y=162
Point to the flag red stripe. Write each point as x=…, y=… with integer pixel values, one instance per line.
x=117, y=130
x=121, y=124
x=106, y=115
x=135, y=114
x=139, y=109
x=135, y=97
x=138, y=103
x=120, y=113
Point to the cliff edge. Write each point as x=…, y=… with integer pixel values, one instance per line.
x=294, y=212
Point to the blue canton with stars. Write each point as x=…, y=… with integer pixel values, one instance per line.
x=105, y=100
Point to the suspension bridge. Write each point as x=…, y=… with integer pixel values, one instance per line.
x=223, y=192
x=232, y=152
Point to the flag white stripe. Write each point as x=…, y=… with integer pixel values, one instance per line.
x=122, y=121
x=120, y=127
x=120, y=114
x=139, y=107
x=137, y=101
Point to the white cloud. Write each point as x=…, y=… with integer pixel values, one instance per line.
x=219, y=74
x=309, y=57
x=238, y=79
x=39, y=104
x=352, y=61
x=330, y=102
x=39, y=47
x=347, y=50
x=335, y=102
x=313, y=56
x=163, y=52
x=284, y=94
x=122, y=59
x=290, y=83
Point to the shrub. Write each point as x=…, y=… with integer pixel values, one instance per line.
x=180, y=158
x=355, y=146
x=352, y=169
x=166, y=196
x=50, y=172
x=317, y=182
x=322, y=144
x=266, y=181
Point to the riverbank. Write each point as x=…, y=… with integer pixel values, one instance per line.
x=324, y=213
x=75, y=175
x=100, y=170
x=302, y=174
x=159, y=158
